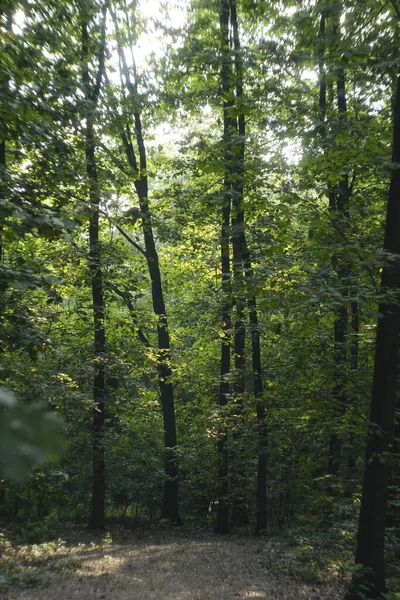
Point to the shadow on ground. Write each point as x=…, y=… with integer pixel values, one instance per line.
x=165, y=566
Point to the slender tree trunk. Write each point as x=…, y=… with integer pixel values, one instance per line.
x=240, y=513
x=354, y=335
x=97, y=516
x=2, y=186
x=322, y=77
x=170, y=506
x=237, y=176
x=261, y=486
x=262, y=460
x=234, y=137
x=370, y=579
x=339, y=206
x=7, y=12
x=341, y=325
x=222, y=521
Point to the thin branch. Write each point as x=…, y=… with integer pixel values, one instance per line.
x=133, y=93
x=396, y=8
x=123, y=233
x=126, y=138
x=128, y=301
x=118, y=163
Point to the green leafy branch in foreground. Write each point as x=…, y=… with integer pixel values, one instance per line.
x=29, y=437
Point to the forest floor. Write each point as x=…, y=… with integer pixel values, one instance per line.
x=165, y=564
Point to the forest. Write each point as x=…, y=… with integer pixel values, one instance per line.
x=200, y=292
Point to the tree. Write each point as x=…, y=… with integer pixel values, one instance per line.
x=370, y=575
x=138, y=171
x=339, y=198
x=92, y=92
x=222, y=523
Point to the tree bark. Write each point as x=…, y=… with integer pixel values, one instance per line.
x=243, y=280
x=370, y=579
x=170, y=505
x=222, y=521
x=339, y=207
x=97, y=516
x=4, y=81
x=240, y=512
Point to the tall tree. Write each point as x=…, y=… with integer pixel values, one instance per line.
x=92, y=91
x=6, y=15
x=242, y=266
x=222, y=522
x=237, y=170
x=242, y=287
x=370, y=576
x=339, y=197
x=132, y=135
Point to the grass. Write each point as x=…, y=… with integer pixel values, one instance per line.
x=320, y=559
x=25, y=565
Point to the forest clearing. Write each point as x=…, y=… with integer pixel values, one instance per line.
x=164, y=565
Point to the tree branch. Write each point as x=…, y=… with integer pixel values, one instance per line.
x=128, y=301
x=396, y=8
x=123, y=233
x=102, y=49
x=113, y=158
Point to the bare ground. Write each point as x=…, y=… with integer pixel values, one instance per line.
x=162, y=565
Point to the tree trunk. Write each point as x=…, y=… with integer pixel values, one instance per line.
x=262, y=461
x=4, y=81
x=2, y=184
x=339, y=207
x=370, y=579
x=240, y=513
x=97, y=516
x=170, y=506
x=222, y=521
x=234, y=138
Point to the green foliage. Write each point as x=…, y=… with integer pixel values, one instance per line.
x=14, y=575
x=44, y=530
x=35, y=564
x=29, y=437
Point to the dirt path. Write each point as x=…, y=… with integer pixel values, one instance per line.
x=165, y=565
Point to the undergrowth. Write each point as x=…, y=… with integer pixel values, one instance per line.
x=26, y=565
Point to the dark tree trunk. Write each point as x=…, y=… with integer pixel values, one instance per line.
x=2, y=185
x=322, y=77
x=262, y=461
x=393, y=514
x=97, y=516
x=371, y=529
x=341, y=324
x=170, y=506
x=354, y=335
x=222, y=521
x=4, y=81
x=237, y=183
x=243, y=292
x=240, y=514
x=339, y=206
